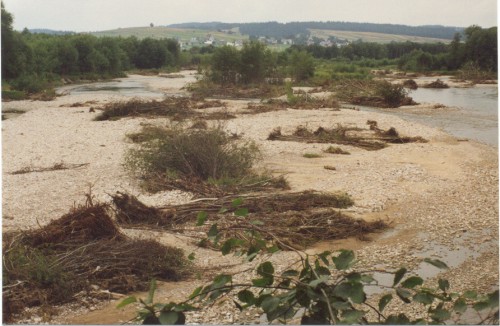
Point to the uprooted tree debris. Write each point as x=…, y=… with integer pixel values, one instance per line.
x=372, y=93
x=292, y=220
x=82, y=248
x=300, y=102
x=176, y=108
x=438, y=83
x=344, y=135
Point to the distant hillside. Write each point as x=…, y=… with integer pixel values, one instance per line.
x=182, y=35
x=373, y=37
x=285, y=30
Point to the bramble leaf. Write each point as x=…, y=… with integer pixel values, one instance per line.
x=398, y=276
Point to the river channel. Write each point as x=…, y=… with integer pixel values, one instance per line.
x=471, y=112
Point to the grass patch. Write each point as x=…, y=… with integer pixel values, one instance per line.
x=336, y=150
x=51, y=264
x=311, y=155
x=198, y=160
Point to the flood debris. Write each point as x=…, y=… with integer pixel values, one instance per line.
x=175, y=108
x=82, y=249
x=55, y=167
x=438, y=83
x=410, y=84
x=345, y=135
x=292, y=220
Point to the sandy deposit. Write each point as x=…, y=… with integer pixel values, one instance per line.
x=441, y=196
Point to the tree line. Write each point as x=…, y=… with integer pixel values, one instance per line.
x=478, y=47
x=31, y=61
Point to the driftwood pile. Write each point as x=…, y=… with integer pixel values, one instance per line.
x=82, y=249
x=291, y=220
x=375, y=139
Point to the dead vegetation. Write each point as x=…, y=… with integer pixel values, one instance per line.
x=436, y=84
x=302, y=102
x=410, y=84
x=336, y=150
x=55, y=167
x=291, y=220
x=82, y=248
x=175, y=108
x=372, y=93
x=205, y=88
x=343, y=135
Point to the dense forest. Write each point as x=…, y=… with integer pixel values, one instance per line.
x=33, y=63
x=288, y=30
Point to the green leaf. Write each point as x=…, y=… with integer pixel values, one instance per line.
x=168, y=317
x=437, y=263
x=398, y=276
x=127, y=301
x=191, y=256
x=460, y=306
x=221, y=280
x=470, y=294
x=412, y=282
x=201, y=218
x=403, y=294
x=444, y=285
x=400, y=319
x=273, y=249
x=353, y=291
x=269, y=304
x=196, y=292
x=423, y=298
x=318, y=281
x=351, y=317
x=151, y=293
x=382, y=303
x=240, y=308
x=228, y=246
x=368, y=279
x=354, y=277
x=478, y=306
x=237, y=202
x=440, y=315
x=265, y=269
x=290, y=273
x=324, y=256
x=246, y=297
x=344, y=260
x=213, y=231
x=493, y=299
x=261, y=282
x=321, y=270
x=241, y=212
x=223, y=210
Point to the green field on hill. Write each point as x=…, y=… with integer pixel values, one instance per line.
x=373, y=37
x=183, y=35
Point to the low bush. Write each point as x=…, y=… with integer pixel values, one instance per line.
x=198, y=160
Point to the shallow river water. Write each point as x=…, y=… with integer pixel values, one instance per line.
x=475, y=115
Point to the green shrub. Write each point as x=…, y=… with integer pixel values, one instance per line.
x=199, y=154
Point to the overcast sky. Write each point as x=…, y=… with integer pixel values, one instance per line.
x=97, y=15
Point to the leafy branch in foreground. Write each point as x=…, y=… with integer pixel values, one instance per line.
x=321, y=289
